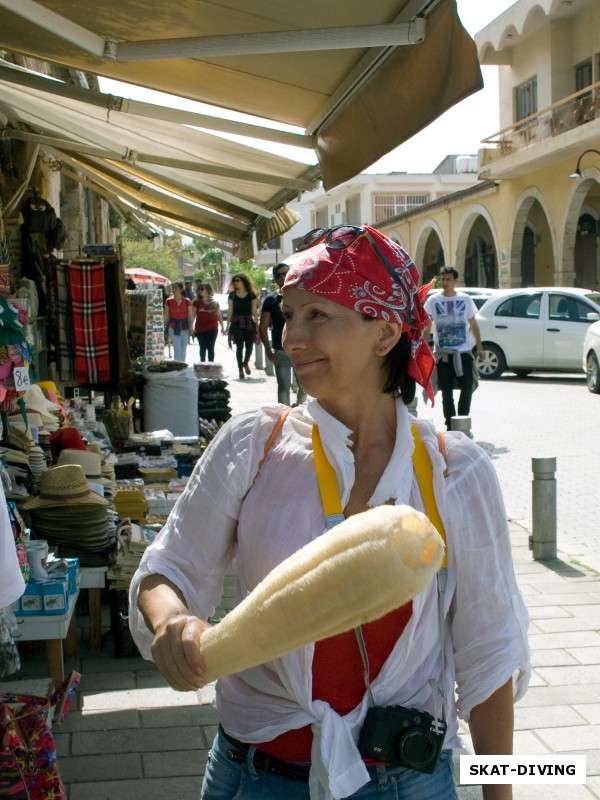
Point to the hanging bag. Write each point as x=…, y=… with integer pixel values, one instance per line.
x=28, y=763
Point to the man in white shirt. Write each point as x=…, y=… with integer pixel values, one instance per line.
x=453, y=314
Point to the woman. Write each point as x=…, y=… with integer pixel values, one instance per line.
x=288, y=728
x=179, y=318
x=242, y=320
x=207, y=322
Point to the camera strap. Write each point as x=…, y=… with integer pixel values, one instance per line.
x=334, y=514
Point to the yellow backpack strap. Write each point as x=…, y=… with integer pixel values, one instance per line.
x=330, y=496
x=424, y=472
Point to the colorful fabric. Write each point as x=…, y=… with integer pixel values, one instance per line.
x=356, y=277
x=27, y=746
x=90, y=327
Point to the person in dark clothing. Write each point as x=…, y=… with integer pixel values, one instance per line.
x=272, y=317
x=242, y=320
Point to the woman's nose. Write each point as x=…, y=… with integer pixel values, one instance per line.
x=294, y=335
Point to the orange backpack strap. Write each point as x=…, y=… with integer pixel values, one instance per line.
x=273, y=435
x=442, y=447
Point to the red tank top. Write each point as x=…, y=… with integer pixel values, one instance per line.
x=342, y=694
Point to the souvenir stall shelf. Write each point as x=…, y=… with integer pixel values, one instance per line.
x=145, y=332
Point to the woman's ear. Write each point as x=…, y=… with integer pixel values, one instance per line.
x=389, y=336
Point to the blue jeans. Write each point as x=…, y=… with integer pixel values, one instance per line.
x=180, y=343
x=225, y=779
x=283, y=371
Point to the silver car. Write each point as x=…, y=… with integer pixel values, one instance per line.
x=591, y=357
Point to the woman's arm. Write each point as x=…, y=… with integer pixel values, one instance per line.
x=491, y=724
x=176, y=644
x=191, y=316
x=255, y=311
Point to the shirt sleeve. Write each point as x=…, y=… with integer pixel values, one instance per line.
x=194, y=550
x=470, y=307
x=488, y=617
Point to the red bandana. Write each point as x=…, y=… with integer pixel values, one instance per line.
x=356, y=278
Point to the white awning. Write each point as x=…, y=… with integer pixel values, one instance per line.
x=358, y=78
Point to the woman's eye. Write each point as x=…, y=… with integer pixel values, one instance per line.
x=315, y=313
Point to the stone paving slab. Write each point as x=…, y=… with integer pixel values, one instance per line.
x=149, y=789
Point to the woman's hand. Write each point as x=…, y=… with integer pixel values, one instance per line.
x=176, y=651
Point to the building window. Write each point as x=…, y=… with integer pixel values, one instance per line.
x=353, y=210
x=526, y=99
x=321, y=217
x=390, y=205
x=583, y=75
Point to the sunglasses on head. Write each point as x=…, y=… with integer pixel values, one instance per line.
x=339, y=238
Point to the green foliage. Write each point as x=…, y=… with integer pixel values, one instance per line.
x=139, y=252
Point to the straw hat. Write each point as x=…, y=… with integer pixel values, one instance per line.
x=65, y=484
x=90, y=462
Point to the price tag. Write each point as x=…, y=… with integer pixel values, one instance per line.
x=21, y=376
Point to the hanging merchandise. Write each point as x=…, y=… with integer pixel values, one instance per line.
x=15, y=355
x=4, y=258
x=90, y=325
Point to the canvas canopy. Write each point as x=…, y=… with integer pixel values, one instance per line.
x=356, y=78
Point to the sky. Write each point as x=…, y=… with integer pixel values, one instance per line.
x=459, y=131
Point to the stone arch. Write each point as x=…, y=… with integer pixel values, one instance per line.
x=575, y=207
x=525, y=204
x=473, y=215
x=422, y=241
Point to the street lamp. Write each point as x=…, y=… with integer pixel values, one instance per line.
x=577, y=173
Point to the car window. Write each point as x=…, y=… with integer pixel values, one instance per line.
x=569, y=308
x=594, y=297
x=522, y=305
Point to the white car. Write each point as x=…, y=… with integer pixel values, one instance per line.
x=536, y=329
x=591, y=357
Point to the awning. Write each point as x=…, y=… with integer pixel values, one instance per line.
x=358, y=78
x=157, y=171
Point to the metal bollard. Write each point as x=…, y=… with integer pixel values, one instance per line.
x=259, y=357
x=542, y=541
x=461, y=424
x=269, y=368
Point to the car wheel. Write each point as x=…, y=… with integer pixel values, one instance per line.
x=493, y=363
x=593, y=374
x=522, y=373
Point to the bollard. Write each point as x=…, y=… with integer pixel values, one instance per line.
x=269, y=368
x=461, y=424
x=259, y=358
x=542, y=541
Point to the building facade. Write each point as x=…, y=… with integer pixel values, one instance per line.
x=528, y=222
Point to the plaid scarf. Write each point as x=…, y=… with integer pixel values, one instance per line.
x=60, y=307
x=90, y=328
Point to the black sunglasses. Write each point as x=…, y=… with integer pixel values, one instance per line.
x=339, y=238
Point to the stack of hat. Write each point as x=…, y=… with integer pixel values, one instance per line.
x=69, y=515
x=91, y=463
x=36, y=401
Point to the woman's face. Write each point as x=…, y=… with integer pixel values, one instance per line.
x=176, y=290
x=238, y=284
x=203, y=295
x=332, y=348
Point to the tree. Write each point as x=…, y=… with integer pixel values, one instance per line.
x=140, y=252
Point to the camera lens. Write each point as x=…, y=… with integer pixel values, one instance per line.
x=415, y=748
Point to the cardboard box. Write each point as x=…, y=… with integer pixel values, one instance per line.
x=55, y=596
x=73, y=575
x=31, y=600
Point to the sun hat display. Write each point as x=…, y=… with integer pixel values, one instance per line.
x=90, y=462
x=36, y=401
x=64, y=484
x=66, y=438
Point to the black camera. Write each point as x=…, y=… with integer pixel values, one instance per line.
x=403, y=736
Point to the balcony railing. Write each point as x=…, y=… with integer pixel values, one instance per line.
x=570, y=112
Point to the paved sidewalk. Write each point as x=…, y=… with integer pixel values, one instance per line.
x=132, y=736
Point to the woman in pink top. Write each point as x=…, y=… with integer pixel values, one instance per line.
x=179, y=318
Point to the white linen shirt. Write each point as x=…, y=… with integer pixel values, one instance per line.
x=223, y=522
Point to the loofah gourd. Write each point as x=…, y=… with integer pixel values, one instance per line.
x=369, y=565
